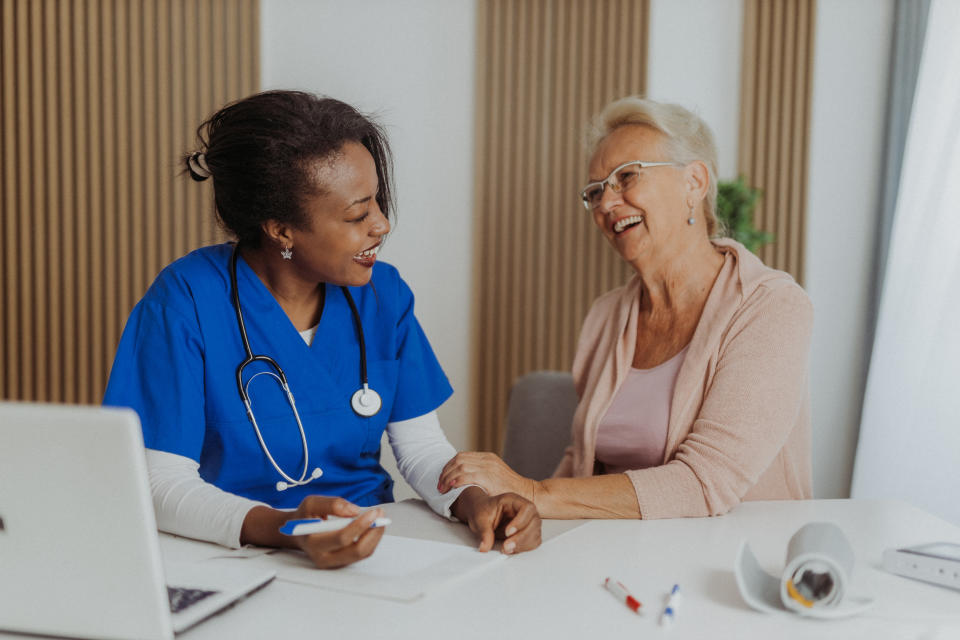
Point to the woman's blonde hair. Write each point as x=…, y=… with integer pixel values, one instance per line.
x=688, y=138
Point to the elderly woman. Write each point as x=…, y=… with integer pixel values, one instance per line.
x=693, y=377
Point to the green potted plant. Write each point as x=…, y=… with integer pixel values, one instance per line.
x=736, y=201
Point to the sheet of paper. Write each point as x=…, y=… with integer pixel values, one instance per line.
x=197, y=551
x=420, y=554
x=403, y=569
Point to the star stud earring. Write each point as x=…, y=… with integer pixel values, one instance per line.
x=287, y=253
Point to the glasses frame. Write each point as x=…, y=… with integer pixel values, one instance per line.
x=610, y=179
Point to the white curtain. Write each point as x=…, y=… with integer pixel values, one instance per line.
x=909, y=445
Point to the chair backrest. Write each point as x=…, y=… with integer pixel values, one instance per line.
x=539, y=417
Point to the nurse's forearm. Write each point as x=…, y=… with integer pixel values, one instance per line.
x=421, y=450
x=261, y=527
x=607, y=496
x=187, y=505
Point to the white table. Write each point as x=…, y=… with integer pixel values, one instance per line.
x=556, y=590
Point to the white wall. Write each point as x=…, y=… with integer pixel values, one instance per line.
x=412, y=64
x=852, y=50
x=695, y=48
x=694, y=60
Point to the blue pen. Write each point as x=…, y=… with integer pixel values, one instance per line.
x=670, y=611
x=318, y=525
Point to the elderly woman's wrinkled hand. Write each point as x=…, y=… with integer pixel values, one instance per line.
x=486, y=470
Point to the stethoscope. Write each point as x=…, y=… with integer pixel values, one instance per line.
x=365, y=402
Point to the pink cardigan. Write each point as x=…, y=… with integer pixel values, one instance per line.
x=739, y=425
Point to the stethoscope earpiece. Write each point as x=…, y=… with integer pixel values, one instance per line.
x=283, y=486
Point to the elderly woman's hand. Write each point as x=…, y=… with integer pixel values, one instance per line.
x=486, y=470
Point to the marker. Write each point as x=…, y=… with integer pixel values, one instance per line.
x=621, y=593
x=670, y=611
x=318, y=525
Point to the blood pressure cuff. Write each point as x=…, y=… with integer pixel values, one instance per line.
x=814, y=582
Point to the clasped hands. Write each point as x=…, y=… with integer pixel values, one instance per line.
x=507, y=516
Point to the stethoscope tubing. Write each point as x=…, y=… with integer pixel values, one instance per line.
x=365, y=402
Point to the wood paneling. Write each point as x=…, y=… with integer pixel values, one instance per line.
x=545, y=67
x=99, y=100
x=775, y=121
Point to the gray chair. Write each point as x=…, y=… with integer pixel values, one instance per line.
x=539, y=415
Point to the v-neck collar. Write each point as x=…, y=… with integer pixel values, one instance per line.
x=264, y=302
x=300, y=361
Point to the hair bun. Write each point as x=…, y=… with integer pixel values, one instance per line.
x=197, y=165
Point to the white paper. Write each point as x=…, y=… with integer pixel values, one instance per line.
x=403, y=569
x=421, y=553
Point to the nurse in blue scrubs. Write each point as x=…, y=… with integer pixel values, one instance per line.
x=303, y=184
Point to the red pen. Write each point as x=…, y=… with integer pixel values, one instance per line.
x=621, y=593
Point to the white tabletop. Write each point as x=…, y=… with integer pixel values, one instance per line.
x=556, y=590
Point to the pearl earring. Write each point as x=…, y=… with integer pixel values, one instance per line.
x=287, y=253
x=691, y=220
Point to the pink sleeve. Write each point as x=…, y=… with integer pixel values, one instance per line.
x=565, y=468
x=751, y=406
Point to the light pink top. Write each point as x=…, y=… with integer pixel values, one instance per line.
x=739, y=426
x=633, y=433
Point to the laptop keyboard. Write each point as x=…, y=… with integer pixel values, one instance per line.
x=181, y=597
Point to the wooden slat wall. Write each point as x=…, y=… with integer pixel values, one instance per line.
x=99, y=99
x=545, y=67
x=775, y=98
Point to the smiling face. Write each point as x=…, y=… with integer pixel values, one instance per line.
x=345, y=226
x=647, y=221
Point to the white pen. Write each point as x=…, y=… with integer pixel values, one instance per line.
x=316, y=525
x=670, y=611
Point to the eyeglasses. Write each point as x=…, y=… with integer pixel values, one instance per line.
x=620, y=179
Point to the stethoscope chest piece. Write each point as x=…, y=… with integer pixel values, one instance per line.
x=366, y=402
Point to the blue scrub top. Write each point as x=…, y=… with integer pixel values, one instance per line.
x=176, y=367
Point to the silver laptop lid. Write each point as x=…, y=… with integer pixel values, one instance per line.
x=78, y=547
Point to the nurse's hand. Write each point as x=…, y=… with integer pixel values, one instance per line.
x=485, y=470
x=506, y=517
x=335, y=549
x=329, y=550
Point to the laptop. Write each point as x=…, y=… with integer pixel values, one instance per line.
x=79, y=549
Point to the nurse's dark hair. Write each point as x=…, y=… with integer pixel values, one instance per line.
x=260, y=151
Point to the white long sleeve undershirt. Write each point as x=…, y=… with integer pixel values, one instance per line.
x=189, y=506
